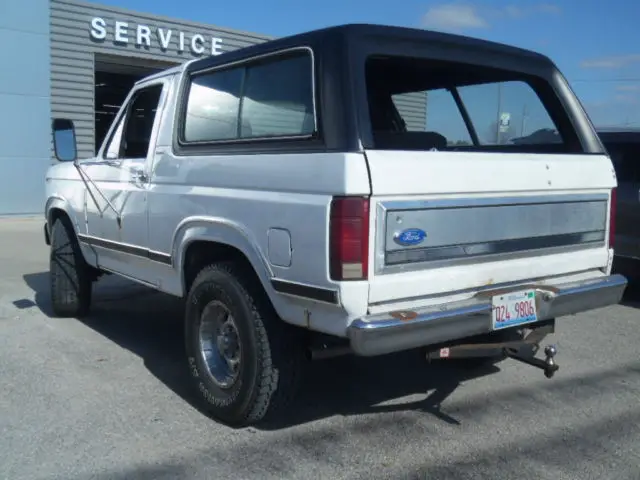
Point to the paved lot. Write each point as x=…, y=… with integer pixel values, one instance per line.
x=105, y=398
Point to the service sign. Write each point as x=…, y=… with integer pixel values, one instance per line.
x=140, y=35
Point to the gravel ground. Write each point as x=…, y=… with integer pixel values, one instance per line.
x=106, y=398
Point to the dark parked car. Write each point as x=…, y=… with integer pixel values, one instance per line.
x=623, y=145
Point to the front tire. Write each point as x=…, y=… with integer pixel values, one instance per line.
x=69, y=273
x=244, y=360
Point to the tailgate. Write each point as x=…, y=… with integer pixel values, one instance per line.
x=446, y=222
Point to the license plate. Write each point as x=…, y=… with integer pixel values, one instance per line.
x=514, y=308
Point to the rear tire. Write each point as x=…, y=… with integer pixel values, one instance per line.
x=244, y=360
x=69, y=274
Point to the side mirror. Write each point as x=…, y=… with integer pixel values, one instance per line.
x=64, y=140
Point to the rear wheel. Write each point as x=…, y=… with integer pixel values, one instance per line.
x=245, y=361
x=69, y=274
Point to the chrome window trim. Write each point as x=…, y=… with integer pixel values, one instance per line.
x=237, y=63
x=143, y=84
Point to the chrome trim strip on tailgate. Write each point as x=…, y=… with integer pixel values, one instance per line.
x=384, y=333
x=514, y=245
x=457, y=230
x=492, y=201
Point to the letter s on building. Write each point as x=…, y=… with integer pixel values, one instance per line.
x=98, y=28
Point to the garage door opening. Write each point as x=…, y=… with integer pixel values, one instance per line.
x=114, y=77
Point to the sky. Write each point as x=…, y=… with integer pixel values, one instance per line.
x=596, y=47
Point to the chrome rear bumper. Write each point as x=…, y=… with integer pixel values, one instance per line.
x=389, y=332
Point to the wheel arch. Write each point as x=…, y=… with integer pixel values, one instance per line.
x=57, y=207
x=201, y=240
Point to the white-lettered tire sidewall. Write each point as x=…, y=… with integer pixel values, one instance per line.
x=231, y=405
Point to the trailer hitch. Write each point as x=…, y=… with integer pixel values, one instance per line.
x=523, y=350
x=548, y=365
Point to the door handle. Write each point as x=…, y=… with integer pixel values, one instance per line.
x=140, y=175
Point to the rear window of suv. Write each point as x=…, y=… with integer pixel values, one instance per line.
x=463, y=107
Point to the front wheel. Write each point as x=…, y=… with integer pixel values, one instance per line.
x=245, y=361
x=69, y=274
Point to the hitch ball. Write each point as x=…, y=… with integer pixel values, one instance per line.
x=550, y=351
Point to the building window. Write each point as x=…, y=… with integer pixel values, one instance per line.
x=270, y=98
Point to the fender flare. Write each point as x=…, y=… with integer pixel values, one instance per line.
x=224, y=231
x=60, y=203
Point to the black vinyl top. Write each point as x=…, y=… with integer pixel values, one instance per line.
x=620, y=134
x=368, y=33
x=340, y=54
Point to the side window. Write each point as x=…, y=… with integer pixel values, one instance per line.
x=213, y=106
x=508, y=112
x=113, y=149
x=132, y=136
x=278, y=98
x=264, y=99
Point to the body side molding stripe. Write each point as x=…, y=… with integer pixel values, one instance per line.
x=126, y=248
x=319, y=294
x=310, y=292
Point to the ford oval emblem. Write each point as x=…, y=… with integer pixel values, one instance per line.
x=411, y=236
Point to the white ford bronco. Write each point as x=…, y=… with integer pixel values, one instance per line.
x=304, y=201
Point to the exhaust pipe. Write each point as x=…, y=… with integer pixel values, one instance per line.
x=325, y=352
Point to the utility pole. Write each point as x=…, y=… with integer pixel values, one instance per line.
x=524, y=120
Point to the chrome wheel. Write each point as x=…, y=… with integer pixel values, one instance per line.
x=220, y=344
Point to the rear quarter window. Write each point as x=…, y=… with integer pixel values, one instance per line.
x=260, y=99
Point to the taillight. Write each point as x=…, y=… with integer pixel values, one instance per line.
x=612, y=217
x=349, y=238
